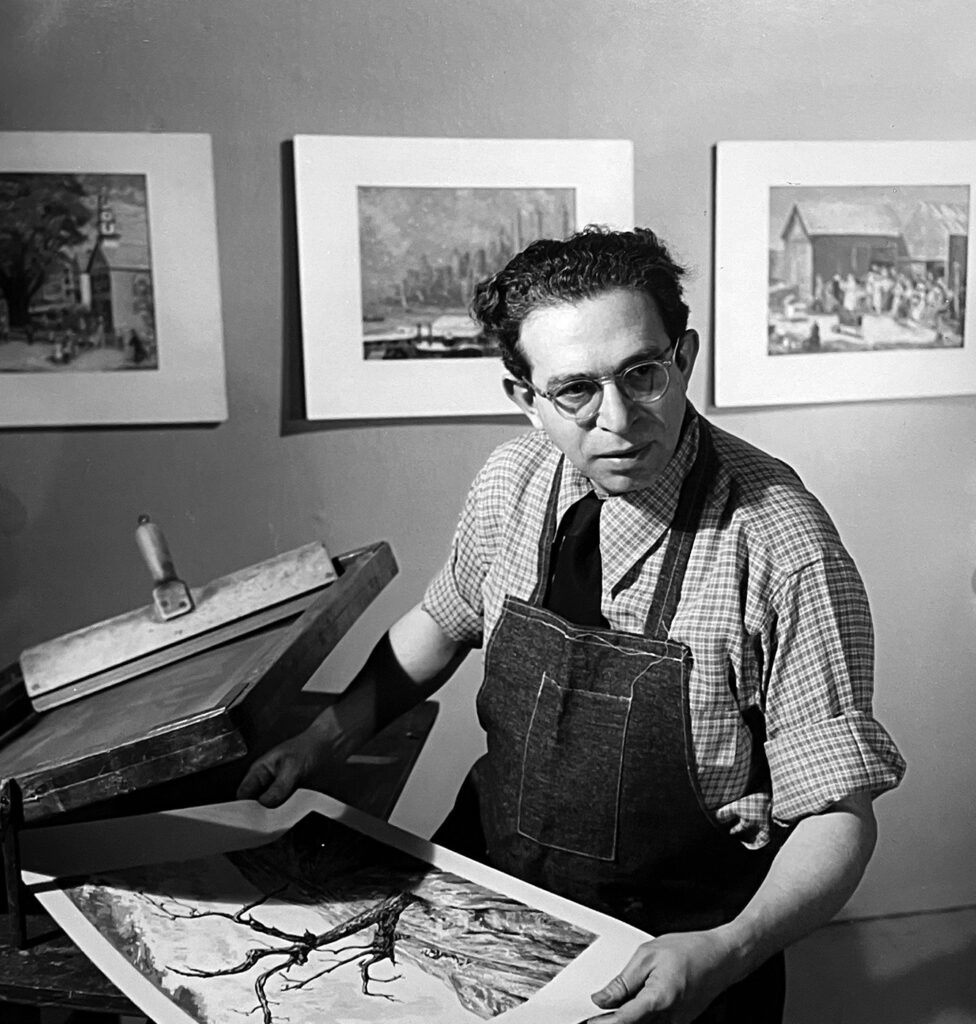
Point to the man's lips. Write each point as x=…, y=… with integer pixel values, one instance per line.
x=624, y=453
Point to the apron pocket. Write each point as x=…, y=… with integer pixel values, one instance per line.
x=569, y=795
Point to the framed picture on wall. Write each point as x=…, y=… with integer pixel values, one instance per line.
x=841, y=271
x=393, y=236
x=109, y=287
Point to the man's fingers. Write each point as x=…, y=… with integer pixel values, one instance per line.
x=270, y=782
x=612, y=994
x=632, y=992
x=276, y=773
x=281, y=788
x=257, y=780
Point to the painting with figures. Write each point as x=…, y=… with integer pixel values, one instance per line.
x=867, y=268
x=841, y=271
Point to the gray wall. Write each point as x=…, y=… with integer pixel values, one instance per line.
x=899, y=477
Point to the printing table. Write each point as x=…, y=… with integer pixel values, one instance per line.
x=178, y=737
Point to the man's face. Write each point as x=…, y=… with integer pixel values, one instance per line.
x=625, y=445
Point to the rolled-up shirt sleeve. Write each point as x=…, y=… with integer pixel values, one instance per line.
x=823, y=742
x=453, y=598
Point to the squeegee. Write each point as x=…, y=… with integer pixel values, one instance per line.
x=181, y=621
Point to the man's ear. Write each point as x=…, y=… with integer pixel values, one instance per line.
x=686, y=352
x=524, y=398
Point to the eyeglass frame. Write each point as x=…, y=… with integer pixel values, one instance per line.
x=605, y=379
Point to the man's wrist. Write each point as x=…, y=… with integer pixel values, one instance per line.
x=333, y=736
x=740, y=946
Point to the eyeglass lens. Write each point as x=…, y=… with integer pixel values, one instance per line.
x=645, y=382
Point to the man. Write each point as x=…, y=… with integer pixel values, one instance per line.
x=678, y=670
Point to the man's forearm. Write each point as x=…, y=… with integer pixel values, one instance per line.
x=811, y=878
x=408, y=664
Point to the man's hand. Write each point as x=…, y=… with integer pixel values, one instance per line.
x=672, y=978
x=675, y=977
x=405, y=667
x=278, y=773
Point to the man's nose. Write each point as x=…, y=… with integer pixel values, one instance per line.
x=616, y=410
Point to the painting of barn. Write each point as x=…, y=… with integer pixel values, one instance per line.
x=866, y=268
x=936, y=236
x=827, y=238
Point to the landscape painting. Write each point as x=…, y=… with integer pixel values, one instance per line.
x=76, y=274
x=423, y=251
x=867, y=268
x=325, y=923
x=393, y=236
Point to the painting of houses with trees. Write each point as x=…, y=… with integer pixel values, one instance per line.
x=867, y=268
x=76, y=283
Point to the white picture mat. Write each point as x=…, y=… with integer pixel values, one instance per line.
x=339, y=382
x=79, y=850
x=745, y=374
x=188, y=385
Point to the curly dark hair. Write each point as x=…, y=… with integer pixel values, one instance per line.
x=583, y=266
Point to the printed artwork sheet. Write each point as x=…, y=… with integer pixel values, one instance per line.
x=316, y=912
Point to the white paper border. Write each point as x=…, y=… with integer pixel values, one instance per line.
x=745, y=374
x=339, y=383
x=188, y=386
x=78, y=850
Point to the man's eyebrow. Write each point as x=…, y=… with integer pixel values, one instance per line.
x=640, y=357
x=565, y=378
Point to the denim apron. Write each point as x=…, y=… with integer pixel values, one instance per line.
x=589, y=787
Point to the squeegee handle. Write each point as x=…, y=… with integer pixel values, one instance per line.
x=155, y=551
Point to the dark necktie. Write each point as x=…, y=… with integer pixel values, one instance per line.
x=576, y=570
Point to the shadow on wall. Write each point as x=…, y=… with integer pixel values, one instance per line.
x=13, y=519
x=906, y=970
x=61, y=563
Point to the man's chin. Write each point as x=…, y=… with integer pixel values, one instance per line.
x=622, y=482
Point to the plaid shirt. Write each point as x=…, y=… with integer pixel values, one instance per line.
x=772, y=607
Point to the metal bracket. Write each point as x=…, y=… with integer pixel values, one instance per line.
x=15, y=892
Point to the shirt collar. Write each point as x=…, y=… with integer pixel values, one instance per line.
x=633, y=523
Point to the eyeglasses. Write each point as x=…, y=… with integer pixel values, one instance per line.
x=580, y=399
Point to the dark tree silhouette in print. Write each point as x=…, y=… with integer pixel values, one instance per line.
x=299, y=949
x=40, y=215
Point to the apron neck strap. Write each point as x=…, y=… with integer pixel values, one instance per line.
x=684, y=527
x=548, y=535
